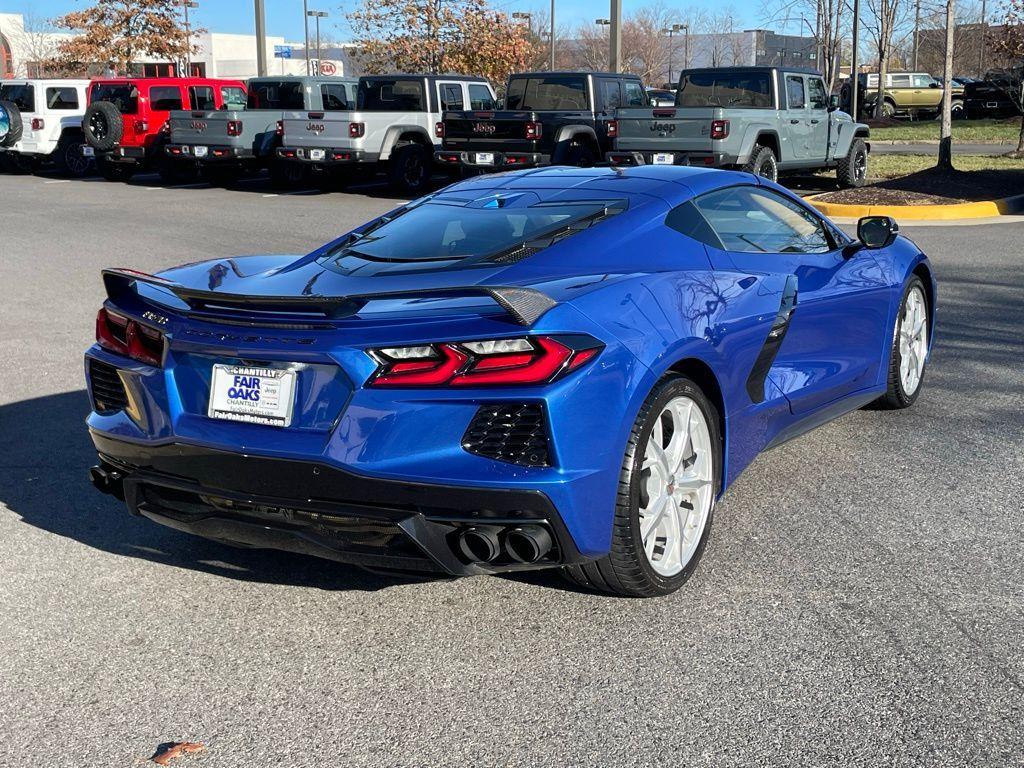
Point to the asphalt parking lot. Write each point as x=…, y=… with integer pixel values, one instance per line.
x=861, y=601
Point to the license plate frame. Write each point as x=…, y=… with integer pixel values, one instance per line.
x=663, y=158
x=231, y=394
x=88, y=151
x=200, y=151
x=317, y=154
x=484, y=158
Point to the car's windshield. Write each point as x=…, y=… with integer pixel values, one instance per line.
x=124, y=96
x=551, y=92
x=288, y=94
x=725, y=89
x=391, y=96
x=450, y=231
x=23, y=96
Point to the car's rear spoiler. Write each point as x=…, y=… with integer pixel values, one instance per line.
x=525, y=305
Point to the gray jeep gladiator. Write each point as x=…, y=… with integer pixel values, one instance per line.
x=228, y=143
x=763, y=120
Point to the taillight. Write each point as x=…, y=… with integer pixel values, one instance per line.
x=534, y=130
x=439, y=130
x=280, y=128
x=493, y=362
x=234, y=127
x=38, y=124
x=119, y=334
x=719, y=129
x=356, y=130
x=613, y=129
x=141, y=126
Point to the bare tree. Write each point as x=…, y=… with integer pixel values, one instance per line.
x=881, y=20
x=36, y=43
x=1008, y=44
x=946, y=136
x=644, y=45
x=829, y=28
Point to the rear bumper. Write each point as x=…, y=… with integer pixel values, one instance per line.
x=644, y=157
x=332, y=156
x=499, y=161
x=128, y=155
x=317, y=509
x=214, y=154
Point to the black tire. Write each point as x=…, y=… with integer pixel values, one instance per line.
x=68, y=158
x=625, y=570
x=103, y=126
x=5, y=162
x=580, y=154
x=409, y=169
x=114, y=171
x=285, y=174
x=957, y=110
x=762, y=162
x=888, y=109
x=852, y=170
x=895, y=397
x=15, y=126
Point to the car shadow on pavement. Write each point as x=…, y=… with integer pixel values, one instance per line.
x=45, y=482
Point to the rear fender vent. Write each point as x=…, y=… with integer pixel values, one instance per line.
x=512, y=432
x=106, y=388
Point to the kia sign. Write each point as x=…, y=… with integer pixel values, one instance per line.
x=328, y=68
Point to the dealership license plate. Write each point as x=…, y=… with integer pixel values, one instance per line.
x=485, y=158
x=663, y=158
x=200, y=151
x=88, y=152
x=254, y=395
x=317, y=154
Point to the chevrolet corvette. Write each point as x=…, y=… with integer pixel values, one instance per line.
x=555, y=368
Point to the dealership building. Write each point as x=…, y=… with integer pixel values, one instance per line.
x=220, y=54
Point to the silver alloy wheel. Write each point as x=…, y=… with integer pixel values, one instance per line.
x=912, y=327
x=676, y=490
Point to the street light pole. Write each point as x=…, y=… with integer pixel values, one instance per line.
x=854, y=63
x=317, y=15
x=671, y=47
x=261, y=39
x=551, y=65
x=615, y=37
x=305, y=31
x=186, y=4
x=604, y=23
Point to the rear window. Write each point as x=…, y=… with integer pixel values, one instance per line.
x=23, y=96
x=725, y=89
x=232, y=97
x=335, y=97
x=392, y=95
x=61, y=98
x=123, y=96
x=165, y=98
x=276, y=95
x=552, y=92
x=439, y=233
x=201, y=97
x=480, y=98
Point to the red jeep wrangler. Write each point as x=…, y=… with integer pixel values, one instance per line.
x=125, y=122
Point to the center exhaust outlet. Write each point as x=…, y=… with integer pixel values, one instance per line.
x=528, y=543
x=480, y=544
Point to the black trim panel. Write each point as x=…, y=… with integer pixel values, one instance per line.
x=765, y=358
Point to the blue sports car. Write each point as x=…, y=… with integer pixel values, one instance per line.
x=549, y=368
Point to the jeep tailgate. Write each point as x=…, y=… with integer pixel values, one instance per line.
x=672, y=129
x=317, y=129
x=488, y=130
x=212, y=127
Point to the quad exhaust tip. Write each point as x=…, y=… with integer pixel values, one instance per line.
x=525, y=544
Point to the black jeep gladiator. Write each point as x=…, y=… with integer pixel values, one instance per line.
x=549, y=118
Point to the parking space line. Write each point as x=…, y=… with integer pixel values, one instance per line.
x=272, y=195
x=187, y=186
x=58, y=181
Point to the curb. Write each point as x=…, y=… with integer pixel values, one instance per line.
x=977, y=210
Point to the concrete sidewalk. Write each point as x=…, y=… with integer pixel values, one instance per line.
x=932, y=148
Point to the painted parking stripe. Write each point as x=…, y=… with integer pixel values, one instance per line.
x=58, y=181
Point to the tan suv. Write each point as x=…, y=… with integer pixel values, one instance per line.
x=915, y=94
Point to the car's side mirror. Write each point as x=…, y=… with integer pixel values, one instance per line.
x=933, y=84
x=877, y=231
x=833, y=101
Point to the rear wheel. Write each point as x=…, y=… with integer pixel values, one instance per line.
x=114, y=171
x=580, y=154
x=852, y=170
x=762, y=162
x=288, y=175
x=909, y=349
x=670, y=475
x=409, y=169
x=68, y=157
x=888, y=109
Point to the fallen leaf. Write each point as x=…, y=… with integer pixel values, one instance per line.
x=172, y=749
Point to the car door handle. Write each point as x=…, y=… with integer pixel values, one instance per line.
x=815, y=121
x=794, y=120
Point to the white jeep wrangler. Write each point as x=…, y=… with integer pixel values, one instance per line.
x=41, y=122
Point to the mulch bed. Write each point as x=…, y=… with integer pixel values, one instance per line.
x=933, y=187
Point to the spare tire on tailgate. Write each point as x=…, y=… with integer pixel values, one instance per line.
x=11, y=126
x=102, y=125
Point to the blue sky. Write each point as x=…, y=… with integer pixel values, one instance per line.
x=284, y=17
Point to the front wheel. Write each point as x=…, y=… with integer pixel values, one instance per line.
x=670, y=476
x=909, y=351
x=852, y=170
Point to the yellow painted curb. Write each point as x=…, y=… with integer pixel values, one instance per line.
x=978, y=210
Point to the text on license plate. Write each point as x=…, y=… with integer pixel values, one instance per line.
x=254, y=395
x=663, y=158
x=485, y=158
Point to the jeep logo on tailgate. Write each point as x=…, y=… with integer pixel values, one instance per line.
x=316, y=128
x=198, y=125
x=663, y=128
x=487, y=128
